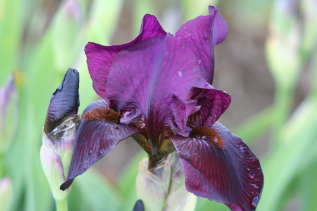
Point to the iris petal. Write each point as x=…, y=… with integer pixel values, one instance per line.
x=213, y=103
x=100, y=57
x=154, y=73
x=64, y=102
x=202, y=34
x=219, y=166
x=149, y=73
x=94, y=139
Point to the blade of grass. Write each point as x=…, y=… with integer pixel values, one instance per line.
x=297, y=138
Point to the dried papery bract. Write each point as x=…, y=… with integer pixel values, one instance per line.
x=163, y=188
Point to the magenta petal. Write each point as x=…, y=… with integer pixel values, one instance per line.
x=100, y=58
x=150, y=76
x=202, y=34
x=94, y=139
x=213, y=103
x=149, y=73
x=227, y=172
x=180, y=112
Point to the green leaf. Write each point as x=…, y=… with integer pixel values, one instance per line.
x=309, y=188
x=206, y=205
x=288, y=157
x=97, y=194
x=10, y=34
x=104, y=19
x=127, y=185
x=256, y=125
x=142, y=7
x=191, y=9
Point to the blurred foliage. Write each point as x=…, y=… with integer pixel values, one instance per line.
x=38, y=44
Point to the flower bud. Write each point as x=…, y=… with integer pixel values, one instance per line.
x=163, y=188
x=7, y=97
x=60, y=127
x=138, y=206
x=5, y=194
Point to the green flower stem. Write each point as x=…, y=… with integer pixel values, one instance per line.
x=62, y=205
x=256, y=125
x=2, y=169
x=282, y=107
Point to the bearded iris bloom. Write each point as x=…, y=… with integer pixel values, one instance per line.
x=157, y=89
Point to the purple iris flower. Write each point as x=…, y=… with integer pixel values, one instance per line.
x=157, y=89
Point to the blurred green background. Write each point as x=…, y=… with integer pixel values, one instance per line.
x=268, y=64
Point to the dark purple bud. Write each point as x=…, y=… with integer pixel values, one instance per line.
x=60, y=129
x=64, y=102
x=138, y=206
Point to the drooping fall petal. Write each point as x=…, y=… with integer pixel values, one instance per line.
x=219, y=166
x=100, y=57
x=97, y=134
x=203, y=34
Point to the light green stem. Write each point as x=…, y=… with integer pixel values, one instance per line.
x=283, y=104
x=2, y=169
x=61, y=205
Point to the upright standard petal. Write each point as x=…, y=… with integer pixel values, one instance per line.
x=202, y=34
x=97, y=134
x=219, y=166
x=157, y=68
x=64, y=102
x=158, y=75
x=100, y=58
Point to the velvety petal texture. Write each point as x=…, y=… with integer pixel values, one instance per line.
x=155, y=74
x=64, y=102
x=96, y=136
x=219, y=166
x=202, y=34
x=158, y=87
x=100, y=57
x=213, y=103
